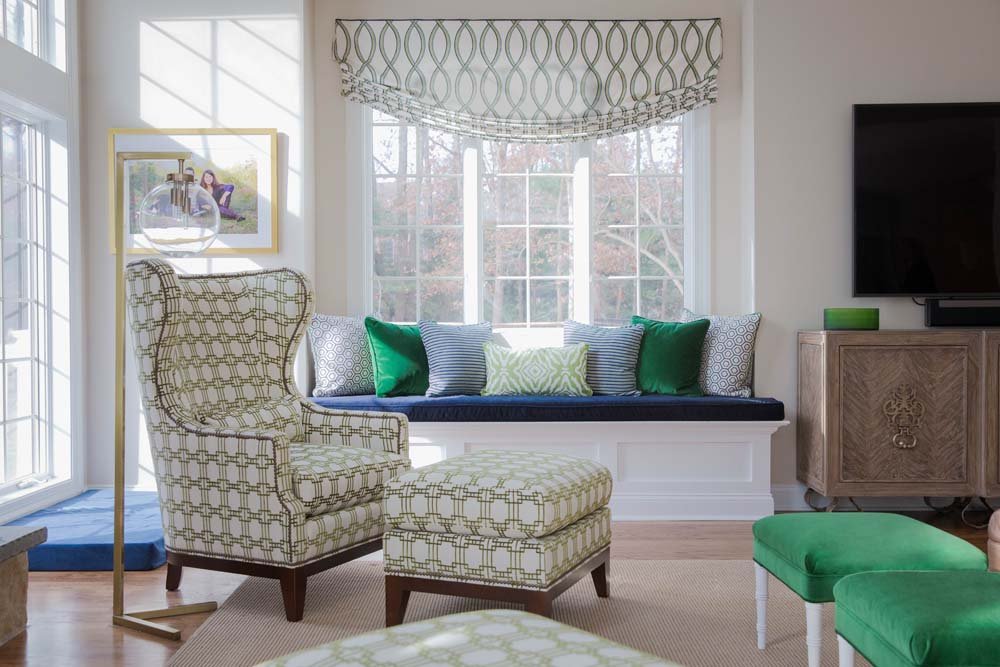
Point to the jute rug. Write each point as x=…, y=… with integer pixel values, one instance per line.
x=693, y=612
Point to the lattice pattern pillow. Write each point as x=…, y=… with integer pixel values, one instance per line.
x=547, y=371
x=341, y=355
x=727, y=356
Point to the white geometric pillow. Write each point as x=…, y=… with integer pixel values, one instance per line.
x=340, y=352
x=727, y=356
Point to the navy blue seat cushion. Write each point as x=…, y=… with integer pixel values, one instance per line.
x=564, y=408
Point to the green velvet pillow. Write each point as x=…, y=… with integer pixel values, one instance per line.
x=670, y=357
x=398, y=358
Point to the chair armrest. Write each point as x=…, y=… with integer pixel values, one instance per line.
x=380, y=431
x=993, y=542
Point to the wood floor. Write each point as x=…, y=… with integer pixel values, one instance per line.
x=69, y=612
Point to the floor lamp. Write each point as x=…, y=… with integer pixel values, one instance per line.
x=179, y=219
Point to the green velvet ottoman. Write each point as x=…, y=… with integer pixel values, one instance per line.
x=496, y=637
x=917, y=619
x=498, y=525
x=811, y=552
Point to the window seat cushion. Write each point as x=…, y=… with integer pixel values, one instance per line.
x=564, y=408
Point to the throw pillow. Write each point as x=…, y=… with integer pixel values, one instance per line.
x=611, y=358
x=546, y=371
x=455, y=357
x=727, y=357
x=399, y=361
x=670, y=356
x=341, y=356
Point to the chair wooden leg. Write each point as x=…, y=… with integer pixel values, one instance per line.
x=600, y=576
x=539, y=603
x=814, y=632
x=845, y=652
x=174, y=573
x=293, y=591
x=761, y=595
x=396, y=599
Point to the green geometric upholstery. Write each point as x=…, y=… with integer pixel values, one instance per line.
x=811, y=551
x=533, y=562
x=510, y=518
x=498, y=493
x=214, y=355
x=496, y=637
x=913, y=619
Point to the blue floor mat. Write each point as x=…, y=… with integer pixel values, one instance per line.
x=81, y=533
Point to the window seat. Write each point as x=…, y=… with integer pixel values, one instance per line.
x=565, y=408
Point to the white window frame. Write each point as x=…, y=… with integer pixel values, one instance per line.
x=696, y=129
x=46, y=95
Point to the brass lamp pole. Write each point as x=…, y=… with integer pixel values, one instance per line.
x=179, y=200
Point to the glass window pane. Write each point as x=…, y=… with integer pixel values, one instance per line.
x=395, y=300
x=504, y=302
x=613, y=252
x=661, y=201
x=441, y=201
x=504, y=251
x=614, y=155
x=441, y=252
x=17, y=390
x=550, y=200
x=661, y=299
x=16, y=329
x=15, y=137
x=504, y=158
x=551, y=253
x=504, y=200
x=395, y=252
x=613, y=200
x=22, y=24
x=14, y=213
x=441, y=152
x=395, y=201
x=661, y=251
x=613, y=301
x=388, y=144
x=18, y=449
x=442, y=300
x=660, y=150
x=550, y=301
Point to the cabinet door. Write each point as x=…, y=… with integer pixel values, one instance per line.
x=908, y=414
x=991, y=456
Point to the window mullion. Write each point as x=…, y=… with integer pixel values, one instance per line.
x=582, y=231
x=471, y=227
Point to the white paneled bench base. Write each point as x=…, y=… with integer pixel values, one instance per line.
x=662, y=470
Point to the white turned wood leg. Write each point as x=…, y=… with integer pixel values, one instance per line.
x=845, y=651
x=761, y=595
x=814, y=631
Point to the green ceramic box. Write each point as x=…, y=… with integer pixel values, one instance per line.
x=850, y=318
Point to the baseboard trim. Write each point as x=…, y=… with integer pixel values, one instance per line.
x=691, y=507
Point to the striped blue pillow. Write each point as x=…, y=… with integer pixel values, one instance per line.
x=614, y=353
x=455, y=357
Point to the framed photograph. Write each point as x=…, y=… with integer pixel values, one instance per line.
x=237, y=166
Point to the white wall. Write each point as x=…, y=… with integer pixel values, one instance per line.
x=184, y=63
x=810, y=61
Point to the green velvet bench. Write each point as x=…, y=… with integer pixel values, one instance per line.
x=496, y=637
x=919, y=619
x=811, y=552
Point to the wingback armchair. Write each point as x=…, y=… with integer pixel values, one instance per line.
x=252, y=477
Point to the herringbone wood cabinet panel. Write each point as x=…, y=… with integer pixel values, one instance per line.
x=991, y=455
x=892, y=413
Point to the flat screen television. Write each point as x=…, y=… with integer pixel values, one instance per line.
x=927, y=200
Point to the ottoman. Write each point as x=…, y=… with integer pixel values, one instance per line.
x=500, y=525
x=811, y=552
x=495, y=637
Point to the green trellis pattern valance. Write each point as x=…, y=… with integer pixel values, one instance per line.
x=530, y=80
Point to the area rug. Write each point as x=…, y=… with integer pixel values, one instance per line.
x=693, y=612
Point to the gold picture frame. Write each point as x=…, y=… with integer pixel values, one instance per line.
x=262, y=141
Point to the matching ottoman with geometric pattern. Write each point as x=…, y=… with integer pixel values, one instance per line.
x=501, y=525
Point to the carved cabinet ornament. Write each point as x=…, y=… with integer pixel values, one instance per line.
x=904, y=412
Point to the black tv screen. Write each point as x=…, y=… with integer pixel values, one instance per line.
x=927, y=199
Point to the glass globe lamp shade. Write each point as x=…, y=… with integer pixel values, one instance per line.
x=179, y=218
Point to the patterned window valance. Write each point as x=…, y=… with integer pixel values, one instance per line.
x=530, y=81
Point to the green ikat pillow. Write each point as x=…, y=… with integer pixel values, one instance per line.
x=547, y=371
